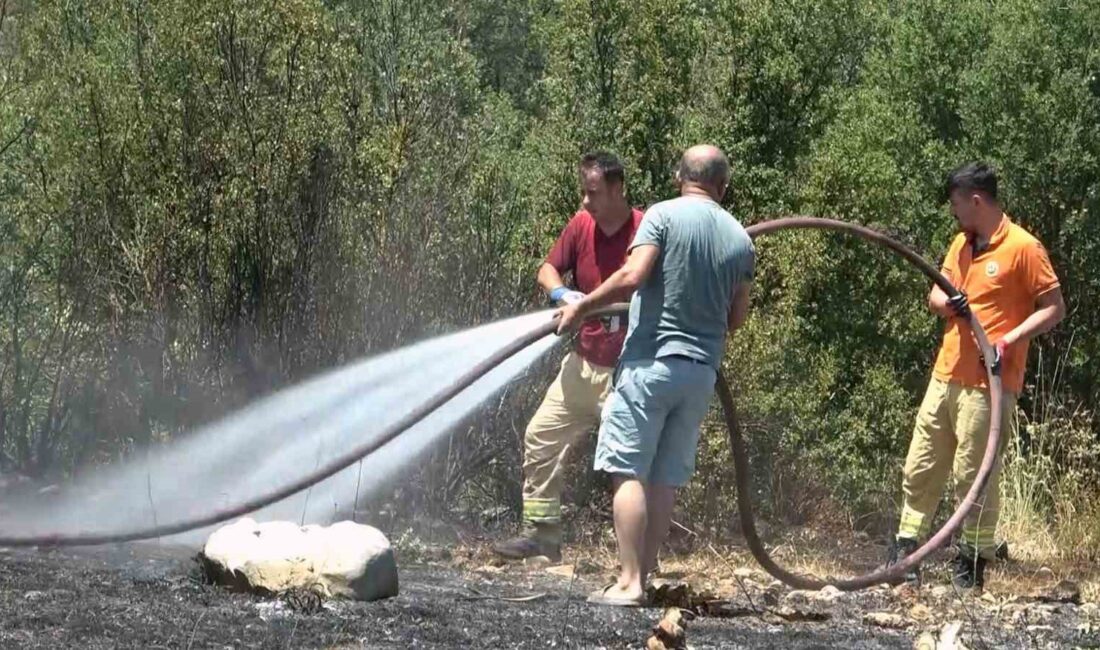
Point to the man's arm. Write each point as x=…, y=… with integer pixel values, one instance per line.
x=937, y=302
x=618, y=286
x=1050, y=309
x=739, y=306
x=562, y=258
x=549, y=278
x=957, y=306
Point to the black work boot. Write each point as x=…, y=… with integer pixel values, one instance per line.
x=903, y=547
x=533, y=540
x=968, y=569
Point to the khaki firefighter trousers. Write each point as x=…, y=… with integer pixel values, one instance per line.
x=949, y=439
x=569, y=411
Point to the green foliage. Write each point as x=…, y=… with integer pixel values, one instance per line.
x=200, y=202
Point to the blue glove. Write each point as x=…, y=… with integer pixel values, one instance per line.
x=565, y=296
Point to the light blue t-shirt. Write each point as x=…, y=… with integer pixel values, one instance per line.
x=683, y=307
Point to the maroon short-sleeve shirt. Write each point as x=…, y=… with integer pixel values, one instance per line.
x=593, y=256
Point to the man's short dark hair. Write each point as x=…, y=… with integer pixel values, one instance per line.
x=608, y=164
x=973, y=176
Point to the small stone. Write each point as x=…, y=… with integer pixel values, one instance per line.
x=743, y=573
x=886, y=620
x=905, y=591
x=828, y=594
x=563, y=570
x=1045, y=573
x=798, y=596
x=1090, y=610
x=1039, y=628
x=536, y=562
x=670, y=593
x=881, y=590
x=34, y=595
x=926, y=641
x=1066, y=591
x=489, y=568
x=949, y=636
x=920, y=612
x=795, y=614
x=1034, y=614
x=941, y=591
x=668, y=633
x=587, y=567
x=989, y=598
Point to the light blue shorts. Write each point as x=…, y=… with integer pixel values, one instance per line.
x=649, y=427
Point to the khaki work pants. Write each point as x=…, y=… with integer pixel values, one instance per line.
x=949, y=439
x=569, y=411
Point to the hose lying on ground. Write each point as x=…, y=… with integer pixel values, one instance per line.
x=725, y=396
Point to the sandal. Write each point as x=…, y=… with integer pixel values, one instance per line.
x=600, y=597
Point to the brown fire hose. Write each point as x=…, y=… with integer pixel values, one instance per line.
x=740, y=457
x=725, y=397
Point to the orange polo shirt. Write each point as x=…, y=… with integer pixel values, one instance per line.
x=1002, y=282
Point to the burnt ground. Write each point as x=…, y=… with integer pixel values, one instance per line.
x=154, y=597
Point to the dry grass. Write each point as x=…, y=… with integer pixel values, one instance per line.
x=1036, y=562
x=1050, y=509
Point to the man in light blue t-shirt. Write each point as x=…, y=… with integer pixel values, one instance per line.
x=691, y=265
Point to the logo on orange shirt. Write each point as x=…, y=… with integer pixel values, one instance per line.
x=992, y=268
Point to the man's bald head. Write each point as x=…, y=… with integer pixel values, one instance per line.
x=706, y=167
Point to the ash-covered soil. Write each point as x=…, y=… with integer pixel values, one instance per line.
x=153, y=597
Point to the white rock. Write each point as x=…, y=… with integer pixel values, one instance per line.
x=346, y=559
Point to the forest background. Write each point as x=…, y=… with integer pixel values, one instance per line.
x=203, y=201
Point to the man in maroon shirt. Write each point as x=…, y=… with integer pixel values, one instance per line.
x=592, y=247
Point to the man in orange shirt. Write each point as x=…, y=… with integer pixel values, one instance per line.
x=1006, y=278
